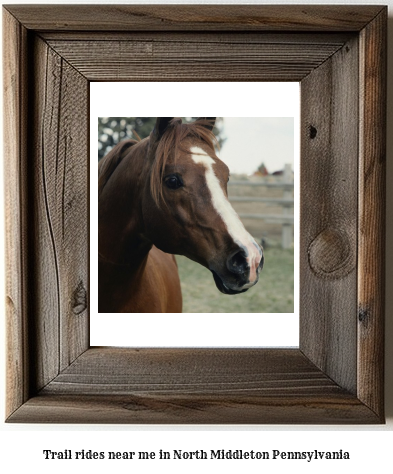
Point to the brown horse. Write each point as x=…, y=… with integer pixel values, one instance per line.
x=164, y=195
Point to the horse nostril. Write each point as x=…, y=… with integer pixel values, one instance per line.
x=237, y=262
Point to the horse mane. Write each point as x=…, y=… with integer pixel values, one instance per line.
x=109, y=163
x=171, y=142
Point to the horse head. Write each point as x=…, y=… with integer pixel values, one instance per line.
x=185, y=207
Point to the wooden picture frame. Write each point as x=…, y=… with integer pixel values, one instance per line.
x=338, y=54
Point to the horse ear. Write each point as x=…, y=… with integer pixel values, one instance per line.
x=159, y=128
x=208, y=122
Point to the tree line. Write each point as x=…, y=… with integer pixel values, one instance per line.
x=112, y=130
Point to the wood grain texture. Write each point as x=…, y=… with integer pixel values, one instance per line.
x=195, y=17
x=14, y=70
x=149, y=60
x=336, y=376
x=198, y=385
x=328, y=253
x=184, y=371
x=239, y=409
x=59, y=175
x=372, y=169
x=225, y=37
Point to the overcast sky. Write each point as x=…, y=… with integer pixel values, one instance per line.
x=252, y=141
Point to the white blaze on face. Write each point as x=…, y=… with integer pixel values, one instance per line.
x=224, y=209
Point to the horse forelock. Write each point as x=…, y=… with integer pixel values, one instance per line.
x=172, y=142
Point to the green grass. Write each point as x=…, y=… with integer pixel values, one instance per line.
x=272, y=294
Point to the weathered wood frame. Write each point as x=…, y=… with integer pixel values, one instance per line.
x=338, y=54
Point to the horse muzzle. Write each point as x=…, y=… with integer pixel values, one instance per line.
x=236, y=278
x=223, y=286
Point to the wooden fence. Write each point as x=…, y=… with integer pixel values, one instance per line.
x=286, y=218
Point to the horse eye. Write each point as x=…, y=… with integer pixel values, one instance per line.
x=173, y=181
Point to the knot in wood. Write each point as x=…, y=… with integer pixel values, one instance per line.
x=79, y=299
x=313, y=132
x=331, y=254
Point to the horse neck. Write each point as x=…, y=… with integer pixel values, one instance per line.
x=120, y=223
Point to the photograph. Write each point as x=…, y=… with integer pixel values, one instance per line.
x=200, y=189
x=219, y=212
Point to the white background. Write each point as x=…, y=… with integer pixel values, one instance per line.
x=370, y=446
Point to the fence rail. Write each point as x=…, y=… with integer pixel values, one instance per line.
x=286, y=219
x=268, y=184
x=269, y=217
x=283, y=201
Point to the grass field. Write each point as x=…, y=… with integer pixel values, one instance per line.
x=272, y=294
